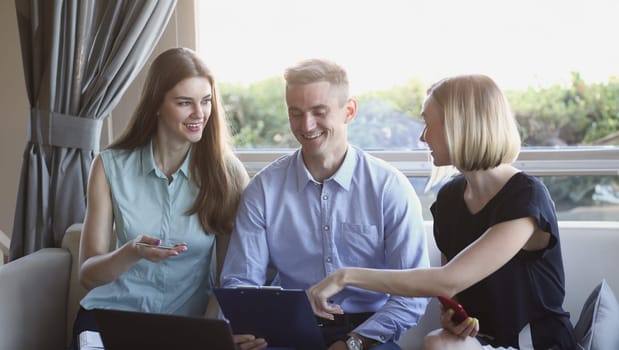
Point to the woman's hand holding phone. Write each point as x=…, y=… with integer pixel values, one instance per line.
x=154, y=246
x=455, y=319
x=459, y=314
x=155, y=250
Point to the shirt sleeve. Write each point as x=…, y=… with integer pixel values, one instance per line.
x=247, y=257
x=530, y=198
x=405, y=247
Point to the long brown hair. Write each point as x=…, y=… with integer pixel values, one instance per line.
x=215, y=169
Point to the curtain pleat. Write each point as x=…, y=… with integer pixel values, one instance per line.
x=79, y=58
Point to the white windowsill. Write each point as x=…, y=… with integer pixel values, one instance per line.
x=539, y=162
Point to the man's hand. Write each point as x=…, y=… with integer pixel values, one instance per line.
x=249, y=342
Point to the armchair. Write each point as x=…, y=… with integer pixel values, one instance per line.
x=39, y=296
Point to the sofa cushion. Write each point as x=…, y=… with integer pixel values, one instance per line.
x=33, y=296
x=598, y=325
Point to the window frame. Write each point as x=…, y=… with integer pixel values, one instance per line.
x=573, y=161
x=551, y=161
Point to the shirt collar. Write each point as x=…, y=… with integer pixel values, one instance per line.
x=149, y=165
x=343, y=175
x=148, y=159
x=184, y=169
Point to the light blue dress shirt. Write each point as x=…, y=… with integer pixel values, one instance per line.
x=366, y=215
x=145, y=203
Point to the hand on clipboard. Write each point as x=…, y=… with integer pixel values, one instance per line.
x=283, y=317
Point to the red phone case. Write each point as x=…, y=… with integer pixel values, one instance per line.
x=459, y=313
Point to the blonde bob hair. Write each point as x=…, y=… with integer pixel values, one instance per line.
x=480, y=129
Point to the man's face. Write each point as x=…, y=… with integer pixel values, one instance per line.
x=317, y=118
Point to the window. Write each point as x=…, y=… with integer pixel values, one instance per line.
x=556, y=61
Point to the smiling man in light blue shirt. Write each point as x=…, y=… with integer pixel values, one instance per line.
x=326, y=206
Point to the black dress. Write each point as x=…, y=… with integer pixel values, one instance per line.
x=530, y=288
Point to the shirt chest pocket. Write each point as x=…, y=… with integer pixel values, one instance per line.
x=360, y=245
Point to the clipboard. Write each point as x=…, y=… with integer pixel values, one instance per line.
x=283, y=317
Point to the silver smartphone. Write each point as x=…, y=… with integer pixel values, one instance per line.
x=161, y=246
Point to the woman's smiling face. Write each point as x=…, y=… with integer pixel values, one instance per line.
x=186, y=109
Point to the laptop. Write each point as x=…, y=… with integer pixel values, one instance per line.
x=283, y=317
x=137, y=330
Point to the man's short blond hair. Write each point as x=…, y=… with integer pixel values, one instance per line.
x=316, y=70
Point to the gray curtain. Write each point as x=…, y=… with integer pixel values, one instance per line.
x=79, y=58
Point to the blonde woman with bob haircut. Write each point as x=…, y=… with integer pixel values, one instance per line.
x=495, y=226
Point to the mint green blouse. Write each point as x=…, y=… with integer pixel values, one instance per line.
x=145, y=203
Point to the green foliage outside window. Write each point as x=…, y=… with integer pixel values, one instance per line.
x=258, y=114
x=577, y=114
x=558, y=115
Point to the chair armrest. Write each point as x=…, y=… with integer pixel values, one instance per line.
x=71, y=242
x=33, y=297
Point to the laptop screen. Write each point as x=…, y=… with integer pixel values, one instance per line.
x=138, y=330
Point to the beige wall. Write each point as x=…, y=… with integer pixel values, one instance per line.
x=14, y=117
x=14, y=101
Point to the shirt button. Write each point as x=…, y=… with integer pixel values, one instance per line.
x=325, y=227
x=382, y=337
x=329, y=259
x=325, y=197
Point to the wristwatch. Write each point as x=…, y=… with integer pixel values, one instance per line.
x=354, y=343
